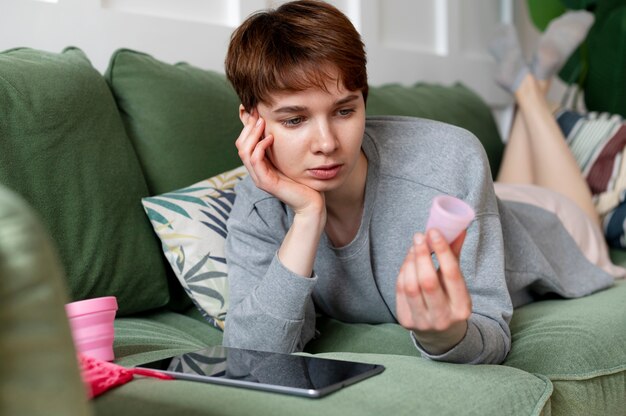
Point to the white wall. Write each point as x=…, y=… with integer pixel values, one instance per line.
x=407, y=40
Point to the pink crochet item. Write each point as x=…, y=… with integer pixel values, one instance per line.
x=100, y=376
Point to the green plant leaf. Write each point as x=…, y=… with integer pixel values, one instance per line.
x=599, y=65
x=543, y=11
x=573, y=68
x=605, y=9
x=579, y=4
x=605, y=87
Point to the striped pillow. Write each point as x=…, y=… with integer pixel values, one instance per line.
x=598, y=143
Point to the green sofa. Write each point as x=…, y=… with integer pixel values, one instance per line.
x=78, y=151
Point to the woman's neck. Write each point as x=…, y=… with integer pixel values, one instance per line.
x=352, y=193
x=344, y=206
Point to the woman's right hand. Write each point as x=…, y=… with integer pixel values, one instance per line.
x=298, y=249
x=252, y=147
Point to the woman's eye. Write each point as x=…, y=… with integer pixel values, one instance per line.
x=292, y=122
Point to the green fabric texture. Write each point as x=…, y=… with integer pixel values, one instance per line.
x=151, y=336
x=408, y=386
x=183, y=121
x=456, y=104
x=64, y=149
x=572, y=343
x=589, y=397
x=572, y=339
x=580, y=345
x=335, y=335
x=618, y=256
x=35, y=340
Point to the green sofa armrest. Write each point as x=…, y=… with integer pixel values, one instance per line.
x=39, y=372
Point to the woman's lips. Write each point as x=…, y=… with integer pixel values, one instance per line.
x=325, y=172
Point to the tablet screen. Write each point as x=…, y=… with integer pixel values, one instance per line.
x=282, y=373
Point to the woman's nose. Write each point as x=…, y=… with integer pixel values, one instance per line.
x=326, y=140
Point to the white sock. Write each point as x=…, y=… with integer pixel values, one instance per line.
x=560, y=39
x=511, y=65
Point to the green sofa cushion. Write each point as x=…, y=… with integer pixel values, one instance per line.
x=35, y=340
x=455, y=104
x=160, y=334
x=618, y=256
x=335, y=335
x=64, y=149
x=408, y=386
x=580, y=345
x=182, y=120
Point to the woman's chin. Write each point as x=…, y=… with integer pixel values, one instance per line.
x=321, y=185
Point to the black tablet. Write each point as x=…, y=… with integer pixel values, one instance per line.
x=280, y=373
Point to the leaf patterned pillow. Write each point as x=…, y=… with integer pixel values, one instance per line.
x=191, y=224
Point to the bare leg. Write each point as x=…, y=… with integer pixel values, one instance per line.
x=537, y=152
x=517, y=164
x=553, y=165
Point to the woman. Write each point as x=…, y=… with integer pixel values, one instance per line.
x=332, y=215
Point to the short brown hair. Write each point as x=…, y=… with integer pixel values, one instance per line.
x=292, y=48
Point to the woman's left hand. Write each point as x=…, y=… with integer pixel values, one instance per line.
x=434, y=304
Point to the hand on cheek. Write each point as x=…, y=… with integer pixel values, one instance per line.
x=248, y=144
x=433, y=303
x=253, y=149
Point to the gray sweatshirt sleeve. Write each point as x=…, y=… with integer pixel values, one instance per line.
x=271, y=308
x=488, y=337
x=456, y=163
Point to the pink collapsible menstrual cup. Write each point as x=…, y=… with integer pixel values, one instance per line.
x=450, y=216
x=91, y=321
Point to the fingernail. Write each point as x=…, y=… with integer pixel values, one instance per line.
x=418, y=238
x=435, y=236
x=258, y=122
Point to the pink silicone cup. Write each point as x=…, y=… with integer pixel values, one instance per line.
x=450, y=216
x=100, y=347
x=91, y=322
x=82, y=307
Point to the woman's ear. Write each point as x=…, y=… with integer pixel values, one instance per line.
x=243, y=114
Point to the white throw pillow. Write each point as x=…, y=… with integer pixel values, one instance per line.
x=191, y=223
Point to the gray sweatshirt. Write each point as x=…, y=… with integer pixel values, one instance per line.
x=513, y=252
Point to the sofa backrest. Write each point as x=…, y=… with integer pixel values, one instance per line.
x=456, y=104
x=183, y=121
x=64, y=148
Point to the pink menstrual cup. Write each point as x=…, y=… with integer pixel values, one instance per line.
x=91, y=322
x=450, y=216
